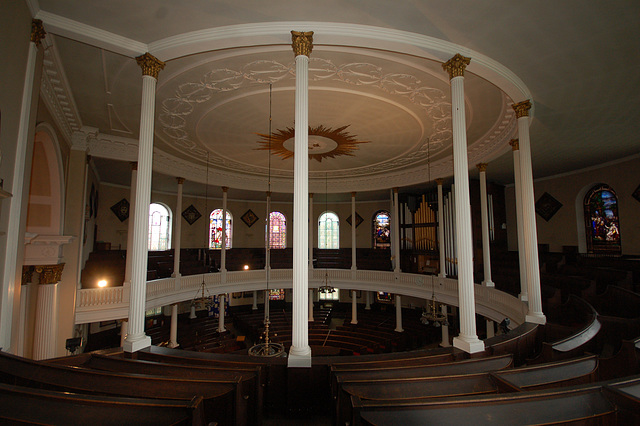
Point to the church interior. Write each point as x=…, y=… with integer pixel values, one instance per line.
x=347, y=213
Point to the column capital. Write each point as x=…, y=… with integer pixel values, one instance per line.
x=482, y=167
x=456, y=65
x=150, y=65
x=50, y=274
x=353, y=194
x=302, y=42
x=225, y=188
x=522, y=108
x=311, y=195
x=27, y=274
x=395, y=190
x=269, y=193
x=439, y=181
x=180, y=180
x=515, y=145
x=37, y=31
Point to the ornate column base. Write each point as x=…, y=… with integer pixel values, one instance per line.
x=299, y=358
x=470, y=345
x=488, y=283
x=135, y=343
x=536, y=318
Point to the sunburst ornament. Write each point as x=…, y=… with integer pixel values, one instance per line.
x=324, y=142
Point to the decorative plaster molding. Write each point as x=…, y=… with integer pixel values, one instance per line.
x=44, y=249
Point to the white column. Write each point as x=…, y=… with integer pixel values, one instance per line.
x=524, y=296
x=14, y=239
x=395, y=232
x=398, y=300
x=255, y=300
x=300, y=353
x=223, y=250
x=173, y=330
x=221, y=306
x=311, y=305
x=353, y=232
x=441, y=242
x=484, y=217
x=136, y=339
x=312, y=228
x=44, y=338
x=467, y=340
x=354, y=305
x=535, y=314
x=445, y=328
x=130, y=225
x=367, y=306
x=177, y=229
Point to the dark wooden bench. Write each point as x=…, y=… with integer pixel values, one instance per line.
x=20, y=405
x=223, y=399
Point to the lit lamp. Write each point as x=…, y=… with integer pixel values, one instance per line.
x=246, y=267
x=102, y=283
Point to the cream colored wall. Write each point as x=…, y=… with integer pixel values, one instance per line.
x=110, y=228
x=562, y=229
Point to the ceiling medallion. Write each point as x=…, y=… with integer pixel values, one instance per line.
x=324, y=142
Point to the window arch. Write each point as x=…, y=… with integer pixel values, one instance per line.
x=215, y=229
x=328, y=231
x=278, y=231
x=159, y=227
x=602, y=225
x=381, y=229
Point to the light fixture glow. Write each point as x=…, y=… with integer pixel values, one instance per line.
x=246, y=267
x=102, y=283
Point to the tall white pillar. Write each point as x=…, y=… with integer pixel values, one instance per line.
x=524, y=292
x=398, y=300
x=354, y=305
x=177, y=229
x=221, y=313
x=223, y=250
x=441, y=242
x=467, y=340
x=130, y=225
x=311, y=305
x=300, y=353
x=173, y=330
x=124, y=330
x=255, y=300
x=445, y=328
x=395, y=232
x=10, y=278
x=44, y=338
x=136, y=339
x=353, y=232
x=312, y=228
x=535, y=314
x=367, y=306
x=484, y=217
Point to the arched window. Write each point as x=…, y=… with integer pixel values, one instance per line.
x=159, y=227
x=215, y=229
x=278, y=231
x=381, y=230
x=328, y=231
x=602, y=225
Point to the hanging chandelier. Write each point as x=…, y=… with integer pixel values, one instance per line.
x=266, y=348
x=326, y=287
x=434, y=315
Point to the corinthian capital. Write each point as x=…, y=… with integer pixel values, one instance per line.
x=482, y=167
x=37, y=31
x=515, y=144
x=150, y=65
x=456, y=65
x=522, y=108
x=50, y=274
x=302, y=42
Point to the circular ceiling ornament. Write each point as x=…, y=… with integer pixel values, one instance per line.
x=324, y=142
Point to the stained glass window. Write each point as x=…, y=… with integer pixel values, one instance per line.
x=278, y=233
x=215, y=229
x=159, y=227
x=601, y=216
x=276, y=294
x=328, y=231
x=381, y=230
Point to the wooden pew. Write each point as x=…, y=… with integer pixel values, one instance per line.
x=626, y=395
x=223, y=399
x=584, y=405
x=38, y=406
